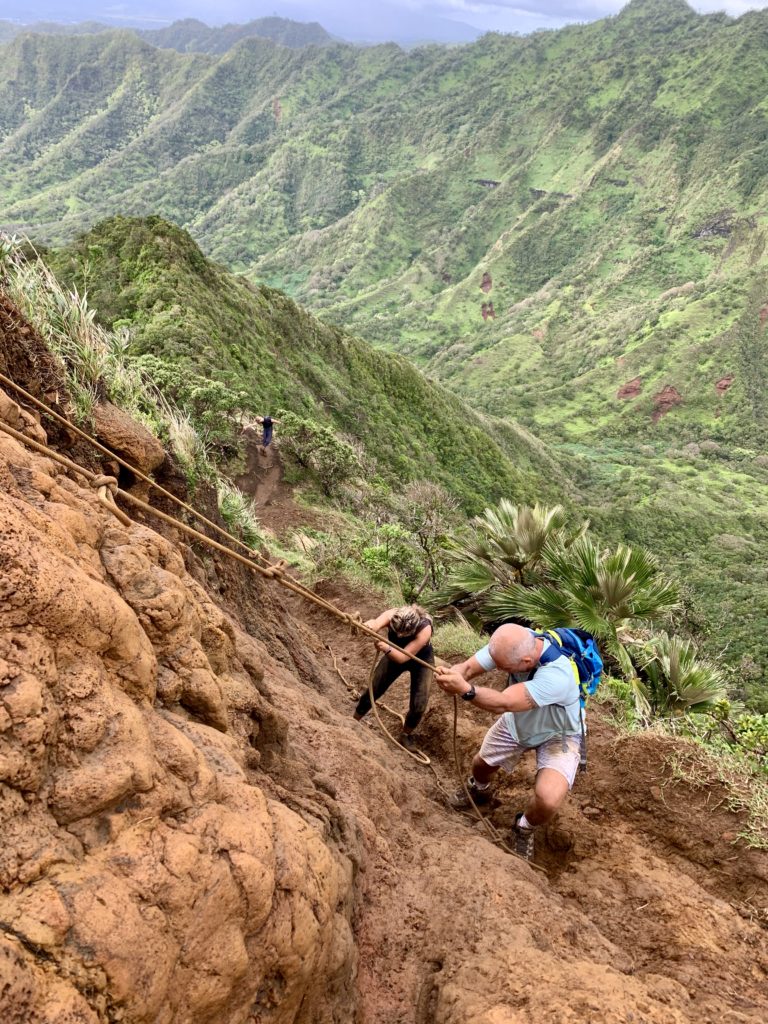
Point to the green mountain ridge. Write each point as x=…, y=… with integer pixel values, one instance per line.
x=605, y=185
x=189, y=35
x=148, y=275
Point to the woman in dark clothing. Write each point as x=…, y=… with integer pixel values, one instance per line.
x=267, y=424
x=410, y=627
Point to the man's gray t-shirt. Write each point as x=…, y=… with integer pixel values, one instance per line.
x=555, y=691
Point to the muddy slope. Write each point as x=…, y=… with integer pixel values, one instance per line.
x=194, y=829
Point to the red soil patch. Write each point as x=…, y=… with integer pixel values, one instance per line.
x=487, y=311
x=631, y=389
x=764, y=314
x=723, y=384
x=487, y=283
x=666, y=399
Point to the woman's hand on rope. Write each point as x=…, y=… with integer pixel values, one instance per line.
x=383, y=646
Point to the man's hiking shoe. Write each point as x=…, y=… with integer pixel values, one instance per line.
x=522, y=840
x=406, y=740
x=460, y=801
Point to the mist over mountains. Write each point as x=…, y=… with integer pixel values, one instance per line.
x=365, y=23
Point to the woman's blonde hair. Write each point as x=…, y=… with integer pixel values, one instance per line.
x=405, y=621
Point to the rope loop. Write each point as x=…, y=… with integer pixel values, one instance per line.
x=276, y=571
x=109, y=482
x=107, y=487
x=355, y=620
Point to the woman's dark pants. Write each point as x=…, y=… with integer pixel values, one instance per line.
x=385, y=673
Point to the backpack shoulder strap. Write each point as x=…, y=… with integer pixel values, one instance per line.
x=555, y=649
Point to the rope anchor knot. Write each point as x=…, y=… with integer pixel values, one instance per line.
x=107, y=487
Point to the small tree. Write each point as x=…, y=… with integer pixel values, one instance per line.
x=675, y=680
x=428, y=512
x=317, y=449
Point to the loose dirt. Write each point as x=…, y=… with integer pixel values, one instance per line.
x=195, y=831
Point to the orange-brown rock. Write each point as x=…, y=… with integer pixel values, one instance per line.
x=631, y=389
x=664, y=401
x=144, y=876
x=120, y=432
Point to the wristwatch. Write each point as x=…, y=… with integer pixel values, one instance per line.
x=470, y=694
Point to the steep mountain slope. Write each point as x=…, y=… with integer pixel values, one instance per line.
x=585, y=203
x=701, y=509
x=151, y=276
x=194, y=828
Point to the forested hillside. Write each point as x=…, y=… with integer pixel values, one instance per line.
x=568, y=229
x=587, y=202
x=268, y=353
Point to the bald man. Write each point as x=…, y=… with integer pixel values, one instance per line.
x=540, y=710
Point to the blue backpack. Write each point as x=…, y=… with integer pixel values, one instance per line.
x=581, y=650
x=580, y=647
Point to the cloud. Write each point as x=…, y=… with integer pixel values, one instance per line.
x=514, y=15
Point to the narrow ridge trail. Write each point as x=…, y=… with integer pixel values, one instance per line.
x=263, y=472
x=182, y=760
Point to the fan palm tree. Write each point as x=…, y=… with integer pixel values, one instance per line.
x=507, y=540
x=676, y=681
x=603, y=592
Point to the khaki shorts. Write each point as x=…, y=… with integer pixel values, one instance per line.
x=500, y=750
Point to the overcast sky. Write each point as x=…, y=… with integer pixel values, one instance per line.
x=374, y=20
x=507, y=15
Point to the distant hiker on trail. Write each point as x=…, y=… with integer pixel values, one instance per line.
x=410, y=627
x=539, y=711
x=267, y=424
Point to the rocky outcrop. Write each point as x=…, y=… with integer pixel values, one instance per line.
x=129, y=439
x=631, y=389
x=665, y=401
x=144, y=876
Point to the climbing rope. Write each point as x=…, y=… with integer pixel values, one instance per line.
x=107, y=489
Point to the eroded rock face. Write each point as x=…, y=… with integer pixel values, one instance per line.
x=124, y=435
x=665, y=401
x=631, y=389
x=144, y=876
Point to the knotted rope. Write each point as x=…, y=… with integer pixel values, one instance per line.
x=106, y=488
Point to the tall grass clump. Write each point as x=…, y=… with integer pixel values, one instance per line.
x=98, y=363
x=239, y=513
x=96, y=360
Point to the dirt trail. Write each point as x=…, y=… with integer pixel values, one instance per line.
x=643, y=878
x=195, y=829
x=263, y=470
